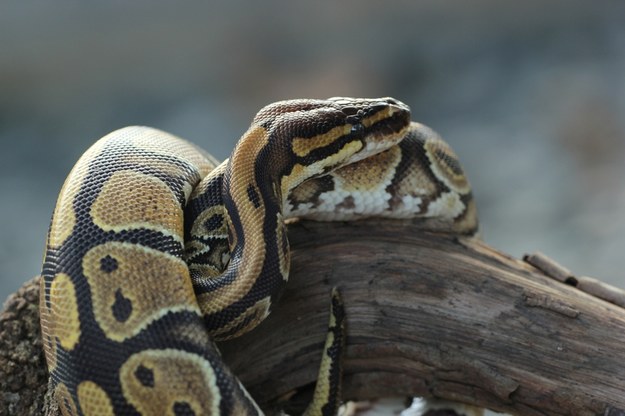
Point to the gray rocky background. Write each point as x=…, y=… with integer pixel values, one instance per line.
x=530, y=94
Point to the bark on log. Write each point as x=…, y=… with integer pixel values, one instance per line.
x=23, y=373
x=436, y=315
x=428, y=314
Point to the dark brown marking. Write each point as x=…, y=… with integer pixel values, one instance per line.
x=214, y=222
x=108, y=264
x=183, y=409
x=451, y=162
x=145, y=376
x=122, y=308
x=253, y=196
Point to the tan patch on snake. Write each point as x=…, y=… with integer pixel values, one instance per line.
x=131, y=200
x=293, y=179
x=371, y=173
x=165, y=144
x=64, y=217
x=93, y=400
x=445, y=165
x=163, y=382
x=65, y=401
x=171, y=167
x=302, y=146
x=132, y=286
x=300, y=173
x=468, y=222
x=65, y=322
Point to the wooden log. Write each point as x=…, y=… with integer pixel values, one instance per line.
x=436, y=315
x=428, y=314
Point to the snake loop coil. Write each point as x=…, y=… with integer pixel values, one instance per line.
x=155, y=249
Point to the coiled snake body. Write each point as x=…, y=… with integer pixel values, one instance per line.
x=155, y=250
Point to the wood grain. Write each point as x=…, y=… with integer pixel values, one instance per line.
x=436, y=315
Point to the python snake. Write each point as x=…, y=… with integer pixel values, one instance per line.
x=155, y=250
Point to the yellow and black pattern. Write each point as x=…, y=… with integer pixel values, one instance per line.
x=122, y=329
x=328, y=389
x=154, y=251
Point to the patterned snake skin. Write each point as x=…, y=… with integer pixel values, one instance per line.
x=155, y=250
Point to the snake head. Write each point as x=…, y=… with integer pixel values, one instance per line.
x=323, y=135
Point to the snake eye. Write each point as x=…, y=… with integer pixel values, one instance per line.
x=353, y=119
x=357, y=129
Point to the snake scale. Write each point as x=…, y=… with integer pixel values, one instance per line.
x=155, y=250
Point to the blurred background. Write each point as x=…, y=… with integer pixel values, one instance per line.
x=530, y=94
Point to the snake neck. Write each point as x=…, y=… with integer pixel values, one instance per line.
x=288, y=143
x=258, y=266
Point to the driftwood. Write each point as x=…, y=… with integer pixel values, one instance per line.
x=437, y=315
x=428, y=314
